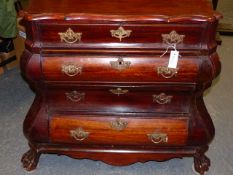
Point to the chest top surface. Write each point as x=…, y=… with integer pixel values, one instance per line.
x=122, y=9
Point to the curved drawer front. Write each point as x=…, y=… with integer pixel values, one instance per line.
x=119, y=69
x=120, y=100
x=72, y=35
x=118, y=131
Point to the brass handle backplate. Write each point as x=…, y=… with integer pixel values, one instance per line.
x=120, y=33
x=118, y=124
x=162, y=98
x=71, y=69
x=172, y=38
x=75, y=96
x=79, y=134
x=158, y=138
x=70, y=36
x=119, y=91
x=120, y=64
x=167, y=72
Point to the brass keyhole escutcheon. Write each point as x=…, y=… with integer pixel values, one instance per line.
x=120, y=64
x=118, y=124
x=119, y=91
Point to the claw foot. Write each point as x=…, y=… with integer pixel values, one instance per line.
x=30, y=160
x=201, y=162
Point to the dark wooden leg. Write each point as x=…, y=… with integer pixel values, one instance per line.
x=201, y=162
x=30, y=159
x=215, y=4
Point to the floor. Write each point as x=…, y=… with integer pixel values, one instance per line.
x=226, y=8
x=16, y=98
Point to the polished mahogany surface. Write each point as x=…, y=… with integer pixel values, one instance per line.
x=138, y=99
x=99, y=69
x=98, y=35
x=103, y=87
x=123, y=7
x=136, y=132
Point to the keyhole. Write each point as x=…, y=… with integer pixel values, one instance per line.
x=120, y=62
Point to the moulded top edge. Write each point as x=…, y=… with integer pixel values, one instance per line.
x=120, y=18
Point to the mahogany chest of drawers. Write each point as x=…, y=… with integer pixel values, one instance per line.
x=104, y=90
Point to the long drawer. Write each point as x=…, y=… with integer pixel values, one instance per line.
x=110, y=130
x=80, y=68
x=71, y=34
x=121, y=99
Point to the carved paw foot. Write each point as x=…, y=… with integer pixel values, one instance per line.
x=30, y=160
x=201, y=163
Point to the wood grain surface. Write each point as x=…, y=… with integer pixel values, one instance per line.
x=135, y=132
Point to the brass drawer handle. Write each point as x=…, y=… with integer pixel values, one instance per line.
x=120, y=33
x=158, y=138
x=118, y=91
x=118, y=124
x=70, y=36
x=173, y=38
x=162, y=98
x=75, y=96
x=79, y=134
x=71, y=69
x=167, y=72
x=120, y=64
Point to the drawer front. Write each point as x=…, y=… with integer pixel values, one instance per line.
x=118, y=131
x=122, y=99
x=119, y=69
x=70, y=34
